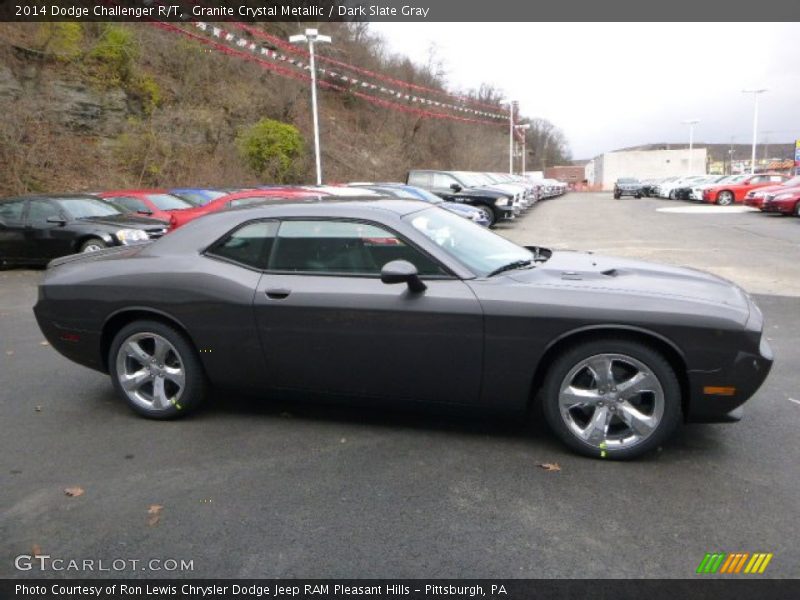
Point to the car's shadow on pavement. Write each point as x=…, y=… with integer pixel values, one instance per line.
x=703, y=441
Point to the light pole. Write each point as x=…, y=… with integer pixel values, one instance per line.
x=312, y=36
x=756, y=93
x=691, y=123
x=511, y=106
x=523, y=129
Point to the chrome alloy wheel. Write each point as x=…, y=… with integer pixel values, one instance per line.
x=611, y=401
x=725, y=199
x=93, y=247
x=150, y=371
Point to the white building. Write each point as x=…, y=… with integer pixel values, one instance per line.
x=645, y=164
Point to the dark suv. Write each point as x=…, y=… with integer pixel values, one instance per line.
x=495, y=205
x=627, y=186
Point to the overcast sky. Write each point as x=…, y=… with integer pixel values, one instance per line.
x=609, y=85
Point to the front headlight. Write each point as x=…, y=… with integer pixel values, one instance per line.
x=503, y=201
x=128, y=236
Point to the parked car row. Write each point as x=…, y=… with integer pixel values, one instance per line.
x=36, y=229
x=500, y=196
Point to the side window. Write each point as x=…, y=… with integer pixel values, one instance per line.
x=777, y=178
x=249, y=245
x=419, y=179
x=343, y=247
x=40, y=210
x=11, y=212
x=131, y=204
x=442, y=181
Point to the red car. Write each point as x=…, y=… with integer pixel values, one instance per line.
x=725, y=195
x=755, y=198
x=786, y=201
x=182, y=217
x=157, y=204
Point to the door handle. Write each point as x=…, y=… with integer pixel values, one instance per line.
x=278, y=293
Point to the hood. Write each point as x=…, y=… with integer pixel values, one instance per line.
x=128, y=220
x=626, y=276
x=772, y=189
x=481, y=192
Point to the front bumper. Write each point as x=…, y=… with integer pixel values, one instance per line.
x=785, y=208
x=710, y=398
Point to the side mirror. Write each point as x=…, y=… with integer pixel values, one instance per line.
x=57, y=220
x=455, y=187
x=402, y=271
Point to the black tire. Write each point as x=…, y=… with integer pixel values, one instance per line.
x=488, y=212
x=653, y=360
x=92, y=244
x=195, y=386
x=617, y=196
x=638, y=196
x=797, y=210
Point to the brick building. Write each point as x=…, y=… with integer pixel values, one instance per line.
x=572, y=174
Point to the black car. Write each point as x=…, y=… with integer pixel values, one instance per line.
x=37, y=229
x=496, y=205
x=627, y=186
x=394, y=301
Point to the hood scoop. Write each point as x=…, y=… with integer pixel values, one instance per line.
x=581, y=275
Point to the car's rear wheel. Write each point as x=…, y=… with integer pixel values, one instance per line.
x=488, y=213
x=612, y=398
x=725, y=198
x=92, y=245
x=155, y=369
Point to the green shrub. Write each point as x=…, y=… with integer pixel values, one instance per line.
x=62, y=39
x=272, y=149
x=116, y=50
x=150, y=93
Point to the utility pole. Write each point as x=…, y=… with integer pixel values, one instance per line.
x=756, y=93
x=691, y=123
x=312, y=36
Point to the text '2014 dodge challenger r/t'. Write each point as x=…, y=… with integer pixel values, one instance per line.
x=395, y=300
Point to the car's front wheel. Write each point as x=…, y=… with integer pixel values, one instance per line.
x=155, y=369
x=612, y=398
x=725, y=198
x=488, y=214
x=92, y=245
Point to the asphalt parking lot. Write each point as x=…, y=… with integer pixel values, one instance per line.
x=268, y=488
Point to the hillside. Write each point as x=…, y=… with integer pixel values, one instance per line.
x=99, y=106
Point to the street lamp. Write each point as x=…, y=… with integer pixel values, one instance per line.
x=523, y=129
x=755, y=93
x=312, y=36
x=691, y=123
x=511, y=106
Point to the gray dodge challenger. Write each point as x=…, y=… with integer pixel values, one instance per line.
x=388, y=301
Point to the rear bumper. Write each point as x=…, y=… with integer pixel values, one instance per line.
x=710, y=398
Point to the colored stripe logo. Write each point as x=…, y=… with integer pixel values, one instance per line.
x=734, y=562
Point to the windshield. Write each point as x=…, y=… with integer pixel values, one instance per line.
x=793, y=182
x=478, y=249
x=423, y=194
x=200, y=198
x=468, y=178
x=168, y=202
x=84, y=208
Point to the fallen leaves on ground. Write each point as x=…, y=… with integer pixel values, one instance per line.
x=74, y=492
x=155, y=514
x=550, y=466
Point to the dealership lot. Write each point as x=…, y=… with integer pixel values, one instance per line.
x=276, y=489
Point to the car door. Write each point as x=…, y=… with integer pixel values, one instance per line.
x=329, y=324
x=12, y=230
x=47, y=240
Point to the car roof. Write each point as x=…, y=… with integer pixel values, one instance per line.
x=49, y=197
x=136, y=191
